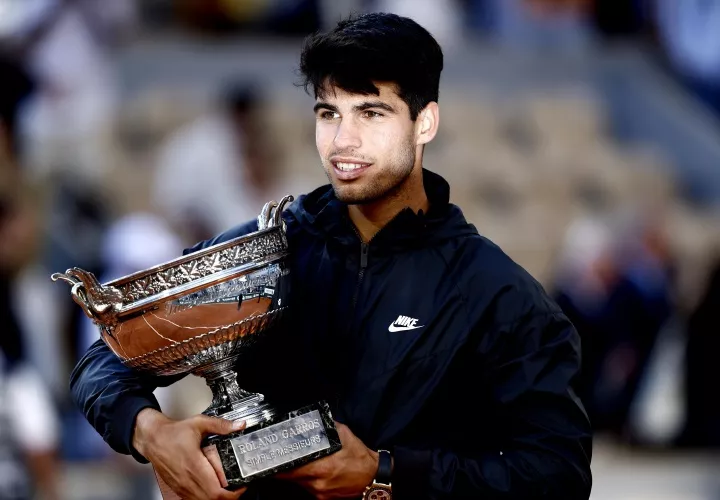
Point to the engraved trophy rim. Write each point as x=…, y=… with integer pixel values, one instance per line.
x=183, y=259
x=107, y=303
x=194, y=285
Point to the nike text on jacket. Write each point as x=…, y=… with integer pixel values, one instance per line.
x=428, y=341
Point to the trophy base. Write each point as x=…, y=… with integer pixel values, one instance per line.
x=280, y=442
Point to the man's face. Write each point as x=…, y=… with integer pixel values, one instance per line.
x=366, y=143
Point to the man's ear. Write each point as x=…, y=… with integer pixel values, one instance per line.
x=427, y=123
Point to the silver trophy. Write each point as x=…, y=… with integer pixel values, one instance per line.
x=197, y=314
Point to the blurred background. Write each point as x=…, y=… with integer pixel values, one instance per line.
x=583, y=136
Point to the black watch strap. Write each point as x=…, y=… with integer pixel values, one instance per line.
x=384, y=471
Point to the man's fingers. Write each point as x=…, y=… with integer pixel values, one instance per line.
x=213, y=457
x=214, y=425
x=207, y=482
x=231, y=495
x=344, y=432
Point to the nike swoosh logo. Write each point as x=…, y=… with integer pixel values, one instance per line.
x=394, y=328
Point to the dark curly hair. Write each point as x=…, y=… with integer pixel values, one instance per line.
x=377, y=47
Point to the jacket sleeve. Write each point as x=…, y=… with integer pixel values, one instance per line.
x=530, y=367
x=110, y=394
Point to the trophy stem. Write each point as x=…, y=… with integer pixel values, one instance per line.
x=226, y=392
x=229, y=400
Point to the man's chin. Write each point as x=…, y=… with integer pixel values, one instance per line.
x=352, y=196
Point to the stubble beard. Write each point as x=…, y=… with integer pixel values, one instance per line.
x=385, y=186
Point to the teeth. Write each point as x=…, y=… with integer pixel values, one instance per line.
x=347, y=167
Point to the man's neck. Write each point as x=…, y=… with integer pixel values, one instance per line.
x=372, y=217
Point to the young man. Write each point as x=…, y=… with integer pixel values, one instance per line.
x=428, y=341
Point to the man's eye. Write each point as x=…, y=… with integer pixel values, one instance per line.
x=328, y=115
x=372, y=114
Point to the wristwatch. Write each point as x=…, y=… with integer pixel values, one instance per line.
x=381, y=488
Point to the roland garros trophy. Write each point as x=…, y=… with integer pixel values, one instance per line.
x=197, y=314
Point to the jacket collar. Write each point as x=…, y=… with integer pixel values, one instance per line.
x=320, y=212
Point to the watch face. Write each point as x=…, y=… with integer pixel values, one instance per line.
x=378, y=493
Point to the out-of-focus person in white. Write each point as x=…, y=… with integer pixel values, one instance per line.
x=220, y=168
x=29, y=434
x=67, y=45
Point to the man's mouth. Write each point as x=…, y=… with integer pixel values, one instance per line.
x=347, y=168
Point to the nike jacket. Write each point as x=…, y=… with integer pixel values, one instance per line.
x=427, y=341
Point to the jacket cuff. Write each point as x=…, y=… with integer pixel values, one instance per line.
x=125, y=421
x=411, y=473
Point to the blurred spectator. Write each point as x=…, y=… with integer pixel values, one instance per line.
x=585, y=278
x=65, y=44
x=15, y=479
x=63, y=129
x=638, y=307
x=615, y=284
x=219, y=170
x=29, y=433
x=29, y=426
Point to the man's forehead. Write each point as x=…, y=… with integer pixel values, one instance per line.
x=330, y=93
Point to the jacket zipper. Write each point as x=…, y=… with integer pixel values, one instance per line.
x=364, y=249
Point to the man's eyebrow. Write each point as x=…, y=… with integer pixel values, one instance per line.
x=373, y=104
x=324, y=105
x=358, y=107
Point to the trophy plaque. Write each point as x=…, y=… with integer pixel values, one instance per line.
x=197, y=314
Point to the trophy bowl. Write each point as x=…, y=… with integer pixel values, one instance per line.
x=197, y=314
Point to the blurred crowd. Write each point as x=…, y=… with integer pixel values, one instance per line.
x=92, y=178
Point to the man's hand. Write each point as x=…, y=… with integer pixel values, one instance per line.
x=173, y=447
x=344, y=474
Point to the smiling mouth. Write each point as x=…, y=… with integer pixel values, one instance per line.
x=349, y=167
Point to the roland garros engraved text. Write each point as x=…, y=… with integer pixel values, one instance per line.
x=280, y=443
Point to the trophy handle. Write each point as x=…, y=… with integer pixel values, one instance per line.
x=265, y=215
x=271, y=214
x=277, y=215
x=100, y=304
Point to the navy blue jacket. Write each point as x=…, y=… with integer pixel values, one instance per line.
x=473, y=390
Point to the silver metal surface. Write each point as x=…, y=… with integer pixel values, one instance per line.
x=280, y=443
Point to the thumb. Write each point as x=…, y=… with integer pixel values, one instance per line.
x=215, y=425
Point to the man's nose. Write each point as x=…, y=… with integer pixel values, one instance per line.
x=347, y=135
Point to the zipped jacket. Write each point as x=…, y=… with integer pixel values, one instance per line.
x=427, y=341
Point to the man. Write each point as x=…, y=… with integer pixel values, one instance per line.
x=428, y=341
